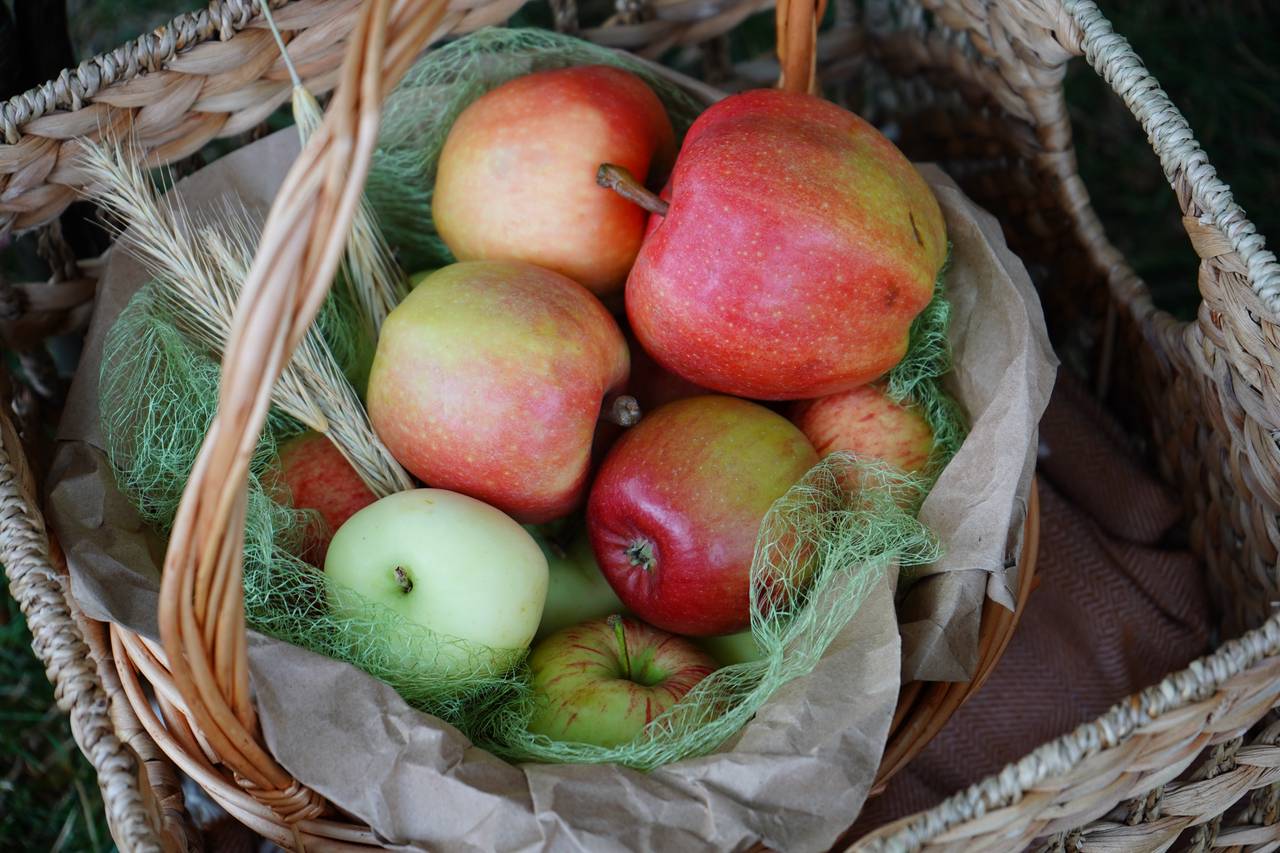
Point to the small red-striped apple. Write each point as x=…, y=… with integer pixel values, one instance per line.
x=865, y=422
x=603, y=681
x=318, y=477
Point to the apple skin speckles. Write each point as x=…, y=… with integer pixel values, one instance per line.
x=798, y=247
x=489, y=380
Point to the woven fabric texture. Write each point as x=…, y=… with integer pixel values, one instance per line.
x=1120, y=603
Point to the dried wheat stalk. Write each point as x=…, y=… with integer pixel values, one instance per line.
x=202, y=266
x=369, y=268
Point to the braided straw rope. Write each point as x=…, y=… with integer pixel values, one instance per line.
x=673, y=23
x=193, y=91
x=1141, y=745
x=59, y=644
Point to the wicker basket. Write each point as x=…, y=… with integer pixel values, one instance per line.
x=975, y=86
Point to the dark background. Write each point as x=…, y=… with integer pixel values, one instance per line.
x=1218, y=61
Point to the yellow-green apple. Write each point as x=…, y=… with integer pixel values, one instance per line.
x=320, y=478
x=676, y=507
x=732, y=648
x=516, y=177
x=797, y=246
x=489, y=380
x=576, y=590
x=451, y=564
x=603, y=681
x=865, y=422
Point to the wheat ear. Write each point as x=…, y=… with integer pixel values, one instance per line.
x=201, y=267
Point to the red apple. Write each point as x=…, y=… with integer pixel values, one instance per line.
x=865, y=422
x=516, y=177
x=798, y=246
x=318, y=477
x=489, y=380
x=603, y=681
x=677, y=505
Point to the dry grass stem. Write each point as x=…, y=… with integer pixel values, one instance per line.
x=369, y=268
x=202, y=266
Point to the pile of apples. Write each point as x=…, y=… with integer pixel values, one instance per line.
x=599, y=345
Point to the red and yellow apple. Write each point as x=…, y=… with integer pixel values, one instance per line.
x=489, y=380
x=865, y=422
x=676, y=507
x=516, y=177
x=320, y=478
x=798, y=246
x=603, y=681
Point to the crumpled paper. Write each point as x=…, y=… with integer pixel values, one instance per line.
x=792, y=779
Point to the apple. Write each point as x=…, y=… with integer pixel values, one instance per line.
x=446, y=562
x=603, y=681
x=865, y=422
x=576, y=590
x=732, y=648
x=796, y=248
x=516, y=176
x=676, y=508
x=318, y=477
x=489, y=379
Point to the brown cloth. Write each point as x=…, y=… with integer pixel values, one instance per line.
x=1120, y=604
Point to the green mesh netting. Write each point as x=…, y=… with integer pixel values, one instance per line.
x=158, y=395
x=819, y=552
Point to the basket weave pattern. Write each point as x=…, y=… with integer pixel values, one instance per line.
x=975, y=84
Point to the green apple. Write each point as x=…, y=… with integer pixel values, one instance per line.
x=732, y=648
x=576, y=590
x=603, y=681
x=451, y=564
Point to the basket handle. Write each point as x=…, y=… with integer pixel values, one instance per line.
x=202, y=621
x=797, y=25
x=1215, y=224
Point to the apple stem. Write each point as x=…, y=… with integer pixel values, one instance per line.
x=402, y=578
x=620, y=633
x=624, y=411
x=621, y=181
